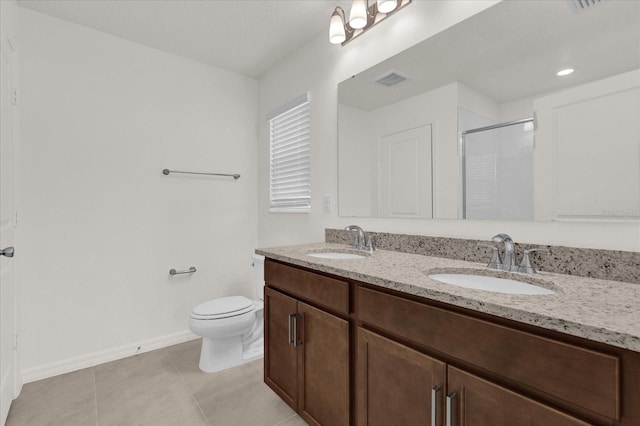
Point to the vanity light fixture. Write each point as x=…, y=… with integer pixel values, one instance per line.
x=564, y=72
x=362, y=16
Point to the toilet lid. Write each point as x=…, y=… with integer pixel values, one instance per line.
x=223, y=307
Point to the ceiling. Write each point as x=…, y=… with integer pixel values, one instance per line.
x=511, y=51
x=244, y=36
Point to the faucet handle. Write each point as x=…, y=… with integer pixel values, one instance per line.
x=495, y=262
x=371, y=246
x=526, y=266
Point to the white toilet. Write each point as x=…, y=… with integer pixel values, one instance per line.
x=231, y=327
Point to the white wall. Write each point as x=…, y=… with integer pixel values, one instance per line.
x=319, y=67
x=516, y=110
x=358, y=164
x=478, y=103
x=101, y=226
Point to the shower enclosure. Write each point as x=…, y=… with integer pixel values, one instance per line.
x=497, y=171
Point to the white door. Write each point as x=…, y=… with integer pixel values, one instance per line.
x=405, y=174
x=587, y=151
x=9, y=386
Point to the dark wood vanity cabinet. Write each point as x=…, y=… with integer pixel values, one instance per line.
x=503, y=373
x=281, y=357
x=306, y=347
x=476, y=401
x=396, y=385
x=343, y=352
x=399, y=385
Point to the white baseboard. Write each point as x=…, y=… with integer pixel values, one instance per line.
x=100, y=357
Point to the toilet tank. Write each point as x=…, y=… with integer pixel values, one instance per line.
x=258, y=271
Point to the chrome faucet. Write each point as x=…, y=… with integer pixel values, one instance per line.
x=362, y=242
x=509, y=262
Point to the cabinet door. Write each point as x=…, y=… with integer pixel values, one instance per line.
x=323, y=367
x=395, y=384
x=479, y=402
x=280, y=358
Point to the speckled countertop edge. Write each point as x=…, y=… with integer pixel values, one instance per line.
x=595, y=309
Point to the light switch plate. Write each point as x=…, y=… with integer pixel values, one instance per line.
x=326, y=203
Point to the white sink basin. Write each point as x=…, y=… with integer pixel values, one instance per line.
x=496, y=285
x=336, y=255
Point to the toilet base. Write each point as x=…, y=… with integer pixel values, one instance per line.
x=220, y=354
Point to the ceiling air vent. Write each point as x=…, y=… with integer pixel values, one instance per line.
x=580, y=5
x=390, y=79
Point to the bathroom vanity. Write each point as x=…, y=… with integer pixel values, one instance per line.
x=374, y=341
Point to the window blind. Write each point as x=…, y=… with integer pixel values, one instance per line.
x=482, y=184
x=290, y=162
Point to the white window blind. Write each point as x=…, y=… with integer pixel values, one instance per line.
x=290, y=162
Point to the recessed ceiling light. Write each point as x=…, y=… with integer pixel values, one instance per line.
x=564, y=72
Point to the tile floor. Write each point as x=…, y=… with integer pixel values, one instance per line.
x=159, y=388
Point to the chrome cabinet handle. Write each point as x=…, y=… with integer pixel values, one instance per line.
x=291, y=339
x=9, y=252
x=449, y=419
x=296, y=342
x=434, y=403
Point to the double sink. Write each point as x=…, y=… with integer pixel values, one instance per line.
x=468, y=279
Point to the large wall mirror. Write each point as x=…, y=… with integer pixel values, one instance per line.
x=475, y=123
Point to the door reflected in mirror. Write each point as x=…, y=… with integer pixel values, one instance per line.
x=412, y=149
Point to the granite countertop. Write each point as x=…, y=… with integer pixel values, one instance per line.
x=599, y=310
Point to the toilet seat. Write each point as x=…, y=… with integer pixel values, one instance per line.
x=223, y=307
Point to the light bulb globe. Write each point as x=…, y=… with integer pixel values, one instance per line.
x=358, y=14
x=337, y=33
x=386, y=6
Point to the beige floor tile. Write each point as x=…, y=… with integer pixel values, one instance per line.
x=203, y=385
x=62, y=386
x=251, y=403
x=68, y=399
x=142, y=399
x=132, y=369
x=293, y=421
x=158, y=388
x=82, y=413
x=189, y=415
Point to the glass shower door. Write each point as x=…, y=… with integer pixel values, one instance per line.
x=497, y=172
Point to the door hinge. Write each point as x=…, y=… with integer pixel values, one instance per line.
x=15, y=343
x=14, y=97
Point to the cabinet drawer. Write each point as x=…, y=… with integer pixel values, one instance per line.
x=573, y=374
x=327, y=292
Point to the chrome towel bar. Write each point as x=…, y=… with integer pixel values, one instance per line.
x=236, y=176
x=191, y=270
